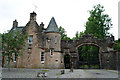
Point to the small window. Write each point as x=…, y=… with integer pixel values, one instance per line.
x=15, y=56
x=55, y=39
x=42, y=57
x=51, y=52
x=30, y=39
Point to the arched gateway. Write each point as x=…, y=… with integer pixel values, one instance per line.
x=106, y=56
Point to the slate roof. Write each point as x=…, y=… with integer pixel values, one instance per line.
x=52, y=27
x=20, y=28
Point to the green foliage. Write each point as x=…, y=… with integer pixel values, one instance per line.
x=88, y=53
x=0, y=41
x=92, y=66
x=78, y=35
x=45, y=70
x=117, y=44
x=63, y=34
x=12, y=44
x=98, y=23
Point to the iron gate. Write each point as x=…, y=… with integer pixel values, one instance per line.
x=89, y=60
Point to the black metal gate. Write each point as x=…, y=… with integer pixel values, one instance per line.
x=89, y=60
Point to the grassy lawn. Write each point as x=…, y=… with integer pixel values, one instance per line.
x=91, y=66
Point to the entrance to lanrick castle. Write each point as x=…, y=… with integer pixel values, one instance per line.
x=90, y=53
x=88, y=57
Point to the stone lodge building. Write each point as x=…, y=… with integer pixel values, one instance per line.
x=45, y=49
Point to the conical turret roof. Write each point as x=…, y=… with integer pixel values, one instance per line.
x=52, y=27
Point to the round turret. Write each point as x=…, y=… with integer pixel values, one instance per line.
x=53, y=36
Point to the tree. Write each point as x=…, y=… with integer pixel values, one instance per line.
x=0, y=41
x=12, y=44
x=98, y=23
x=78, y=35
x=117, y=44
x=63, y=34
x=0, y=45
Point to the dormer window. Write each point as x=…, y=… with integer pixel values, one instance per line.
x=30, y=39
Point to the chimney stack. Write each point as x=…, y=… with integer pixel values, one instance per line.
x=42, y=25
x=33, y=16
x=15, y=24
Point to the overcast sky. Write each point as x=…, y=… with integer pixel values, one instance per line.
x=70, y=14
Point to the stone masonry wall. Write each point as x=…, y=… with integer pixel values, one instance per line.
x=51, y=44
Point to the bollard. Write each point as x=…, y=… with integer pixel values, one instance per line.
x=62, y=71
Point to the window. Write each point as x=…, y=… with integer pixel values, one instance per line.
x=42, y=57
x=30, y=39
x=15, y=57
x=55, y=39
x=51, y=52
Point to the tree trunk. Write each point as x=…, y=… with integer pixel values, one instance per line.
x=8, y=63
x=3, y=61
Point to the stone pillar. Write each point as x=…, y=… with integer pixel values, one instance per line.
x=118, y=59
x=100, y=60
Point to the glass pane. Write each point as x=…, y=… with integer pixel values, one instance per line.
x=30, y=39
x=42, y=56
x=51, y=52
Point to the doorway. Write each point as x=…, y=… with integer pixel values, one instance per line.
x=67, y=61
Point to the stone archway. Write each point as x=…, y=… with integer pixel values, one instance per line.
x=89, y=59
x=105, y=45
x=105, y=49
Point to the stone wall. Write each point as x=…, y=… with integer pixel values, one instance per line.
x=55, y=61
x=118, y=59
x=109, y=60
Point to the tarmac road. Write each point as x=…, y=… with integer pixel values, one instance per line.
x=56, y=73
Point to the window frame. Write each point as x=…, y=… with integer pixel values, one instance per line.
x=42, y=57
x=15, y=57
x=51, y=50
x=29, y=39
x=55, y=40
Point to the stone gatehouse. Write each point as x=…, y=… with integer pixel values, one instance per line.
x=45, y=49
